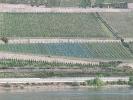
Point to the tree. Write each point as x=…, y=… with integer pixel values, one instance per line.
x=130, y=82
x=4, y=39
x=95, y=82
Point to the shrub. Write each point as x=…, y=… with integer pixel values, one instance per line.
x=7, y=85
x=75, y=84
x=95, y=82
x=121, y=82
x=4, y=39
x=130, y=82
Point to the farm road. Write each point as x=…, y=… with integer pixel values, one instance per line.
x=27, y=8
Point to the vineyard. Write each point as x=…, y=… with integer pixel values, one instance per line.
x=11, y=63
x=62, y=2
x=20, y=68
x=51, y=25
x=121, y=22
x=131, y=46
x=111, y=51
x=65, y=44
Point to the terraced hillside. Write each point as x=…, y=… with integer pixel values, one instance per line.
x=131, y=46
x=62, y=1
x=116, y=1
x=68, y=3
x=52, y=25
x=110, y=51
x=121, y=22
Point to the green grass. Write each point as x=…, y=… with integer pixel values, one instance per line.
x=120, y=22
x=51, y=25
x=112, y=51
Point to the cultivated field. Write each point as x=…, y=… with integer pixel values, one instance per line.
x=69, y=41
x=51, y=25
x=60, y=2
x=111, y=51
x=121, y=22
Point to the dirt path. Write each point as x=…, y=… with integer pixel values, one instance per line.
x=28, y=8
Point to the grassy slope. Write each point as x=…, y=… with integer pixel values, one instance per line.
x=86, y=50
x=51, y=25
x=120, y=22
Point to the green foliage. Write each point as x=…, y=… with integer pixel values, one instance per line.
x=51, y=25
x=34, y=64
x=84, y=3
x=4, y=39
x=110, y=64
x=37, y=74
x=99, y=1
x=118, y=21
x=121, y=82
x=7, y=85
x=114, y=51
x=130, y=82
x=75, y=84
x=96, y=82
x=53, y=3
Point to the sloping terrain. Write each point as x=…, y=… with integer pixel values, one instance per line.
x=52, y=25
x=110, y=51
x=121, y=22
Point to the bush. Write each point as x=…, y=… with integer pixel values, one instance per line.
x=121, y=82
x=84, y=3
x=7, y=85
x=75, y=84
x=4, y=39
x=95, y=82
x=130, y=82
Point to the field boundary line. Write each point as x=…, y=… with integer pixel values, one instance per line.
x=58, y=80
x=58, y=59
x=59, y=40
x=31, y=57
x=29, y=9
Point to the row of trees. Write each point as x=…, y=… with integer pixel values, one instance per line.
x=98, y=82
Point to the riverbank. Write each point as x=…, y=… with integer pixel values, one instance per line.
x=52, y=87
x=120, y=93
x=57, y=83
